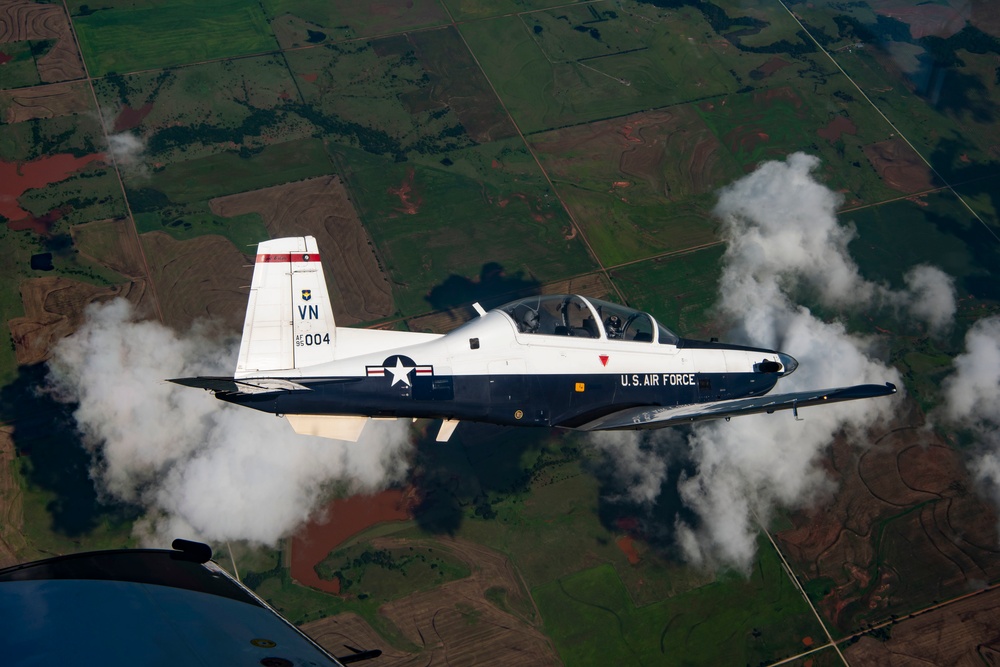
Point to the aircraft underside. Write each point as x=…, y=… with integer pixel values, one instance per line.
x=568, y=401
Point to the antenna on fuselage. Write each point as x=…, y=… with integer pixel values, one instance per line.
x=479, y=309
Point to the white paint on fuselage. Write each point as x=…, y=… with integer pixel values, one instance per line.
x=498, y=340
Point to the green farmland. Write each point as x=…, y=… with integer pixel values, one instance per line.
x=732, y=621
x=154, y=35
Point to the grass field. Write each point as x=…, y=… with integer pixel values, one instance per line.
x=938, y=91
x=175, y=198
x=420, y=94
x=478, y=9
x=18, y=247
x=490, y=206
x=383, y=113
x=19, y=66
x=388, y=574
x=127, y=37
x=828, y=120
x=299, y=604
x=543, y=93
x=934, y=230
x=91, y=194
x=314, y=21
x=229, y=173
x=678, y=290
x=187, y=222
x=540, y=500
x=641, y=184
x=188, y=113
x=982, y=196
x=733, y=621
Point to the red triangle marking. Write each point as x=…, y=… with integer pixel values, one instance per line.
x=604, y=359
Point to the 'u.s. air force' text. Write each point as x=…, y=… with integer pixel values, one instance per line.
x=658, y=380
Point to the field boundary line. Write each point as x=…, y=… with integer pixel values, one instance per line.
x=798, y=586
x=114, y=165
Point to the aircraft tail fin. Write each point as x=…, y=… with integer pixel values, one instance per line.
x=289, y=322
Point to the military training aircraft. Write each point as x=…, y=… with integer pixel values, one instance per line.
x=551, y=360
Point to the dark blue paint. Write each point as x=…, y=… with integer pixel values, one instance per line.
x=526, y=400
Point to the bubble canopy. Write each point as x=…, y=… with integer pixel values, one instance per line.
x=582, y=317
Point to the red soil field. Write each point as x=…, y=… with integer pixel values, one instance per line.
x=404, y=192
x=784, y=93
x=771, y=66
x=904, y=528
x=16, y=178
x=130, y=118
x=924, y=19
x=53, y=309
x=627, y=545
x=899, y=166
x=840, y=125
x=341, y=519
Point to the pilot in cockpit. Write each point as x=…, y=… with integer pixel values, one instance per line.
x=613, y=326
x=529, y=321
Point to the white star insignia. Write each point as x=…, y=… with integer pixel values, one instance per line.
x=400, y=373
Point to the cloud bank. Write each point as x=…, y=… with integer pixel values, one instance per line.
x=972, y=400
x=784, y=245
x=200, y=467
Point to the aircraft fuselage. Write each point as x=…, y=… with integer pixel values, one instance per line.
x=488, y=371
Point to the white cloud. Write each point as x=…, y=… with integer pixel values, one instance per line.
x=972, y=400
x=202, y=468
x=784, y=242
x=129, y=152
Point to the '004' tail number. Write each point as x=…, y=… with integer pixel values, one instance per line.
x=302, y=340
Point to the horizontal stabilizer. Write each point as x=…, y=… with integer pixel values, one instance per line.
x=653, y=417
x=223, y=385
x=213, y=384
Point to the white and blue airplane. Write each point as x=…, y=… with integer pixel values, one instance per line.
x=566, y=361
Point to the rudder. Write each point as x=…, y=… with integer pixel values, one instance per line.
x=289, y=322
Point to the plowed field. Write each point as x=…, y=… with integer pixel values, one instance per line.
x=321, y=207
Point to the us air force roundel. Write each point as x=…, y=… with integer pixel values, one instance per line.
x=401, y=368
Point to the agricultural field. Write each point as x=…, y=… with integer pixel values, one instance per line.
x=904, y=528
x=653, y=195
x=37, y=45
x=593, y=621
x=678, y=290
x=511, y=224
x=134, y=36
x=445, y=152
x=297, y=24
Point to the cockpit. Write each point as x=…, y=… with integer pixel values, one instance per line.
x=581, y=317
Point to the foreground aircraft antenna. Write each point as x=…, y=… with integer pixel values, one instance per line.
x=547, y=360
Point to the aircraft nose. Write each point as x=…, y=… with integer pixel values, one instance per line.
x=788, y=364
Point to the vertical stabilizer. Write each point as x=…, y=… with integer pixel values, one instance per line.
x=289, y=321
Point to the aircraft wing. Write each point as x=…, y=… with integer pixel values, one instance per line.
x=656, y=417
